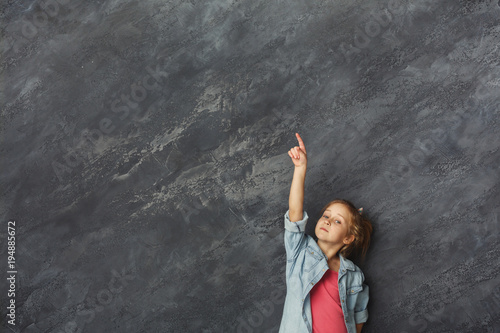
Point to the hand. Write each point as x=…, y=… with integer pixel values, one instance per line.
x=298, y=154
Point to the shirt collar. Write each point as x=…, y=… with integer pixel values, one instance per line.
x=346, y=263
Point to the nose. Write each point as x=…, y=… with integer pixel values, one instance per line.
x=327, y=222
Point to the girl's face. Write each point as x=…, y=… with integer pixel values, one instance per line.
x=333, y=226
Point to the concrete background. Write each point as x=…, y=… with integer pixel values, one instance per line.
x=143, y=158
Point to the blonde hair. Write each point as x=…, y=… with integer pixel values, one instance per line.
x=359, y=226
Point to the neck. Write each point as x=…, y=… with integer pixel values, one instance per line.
x=329, y=249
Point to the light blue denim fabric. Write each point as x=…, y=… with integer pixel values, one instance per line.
x=305, y=266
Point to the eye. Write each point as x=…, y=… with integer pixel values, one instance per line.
x=325, y=216
x=337, y=221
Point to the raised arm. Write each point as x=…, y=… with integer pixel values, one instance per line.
x=296, y=199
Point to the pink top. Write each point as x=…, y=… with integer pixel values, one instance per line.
x=327, y=315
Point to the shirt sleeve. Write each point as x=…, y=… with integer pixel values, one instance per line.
x=360, y=309
x=295, y=236
x=299, y=226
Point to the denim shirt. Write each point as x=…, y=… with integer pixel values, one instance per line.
x=305, y=266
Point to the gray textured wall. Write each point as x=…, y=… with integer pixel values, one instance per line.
x=143, y=158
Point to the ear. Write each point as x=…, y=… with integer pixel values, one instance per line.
x=349, y=239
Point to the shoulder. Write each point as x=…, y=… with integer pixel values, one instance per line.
x=356, y=268
x=348, y=264
x=352, y=269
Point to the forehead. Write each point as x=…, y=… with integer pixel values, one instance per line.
x=338, y=208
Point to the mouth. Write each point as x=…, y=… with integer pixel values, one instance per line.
x=323, y=229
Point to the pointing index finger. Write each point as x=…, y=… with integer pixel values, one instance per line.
x=301, y=143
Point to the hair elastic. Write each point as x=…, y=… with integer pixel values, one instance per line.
x=360, y=211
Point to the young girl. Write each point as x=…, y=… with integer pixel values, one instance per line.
x=325, y=290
